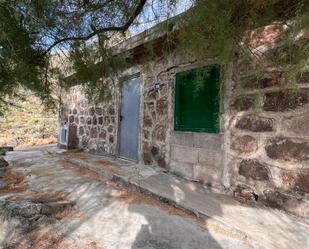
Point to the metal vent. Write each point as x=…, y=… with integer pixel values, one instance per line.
x=63, y=134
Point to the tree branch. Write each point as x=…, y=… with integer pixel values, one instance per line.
x=122, y=28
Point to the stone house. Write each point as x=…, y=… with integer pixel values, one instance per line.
x=251, y=140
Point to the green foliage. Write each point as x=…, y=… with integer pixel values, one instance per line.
x=208, y=31
x=222, y=29
x=20, y=61
x=95, y=67
x=81, y=33
x=33, y=31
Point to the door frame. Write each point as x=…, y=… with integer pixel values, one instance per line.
x=141, y=111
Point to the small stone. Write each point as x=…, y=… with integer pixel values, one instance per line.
x=91, y=111
x=93, y=132
x=146, y=134
x=302, y=182
x=85, y=141
x=162, y=106
x=266, y=35
x=74, y=111
x=282, y=101
x=159, y=133
x=82, y=120
x=3, y=163
x=274, y=199
x=146, y=147
x=147, y=159
x=154, y=150
x=270, y=79
x=95, y=120
x=161, y=162
x=25, y=208
x=253, y=169
x=244, y=194
x=244, y=145
x=288, y=179
x=107, y=120
x=81, y=131
x=149, y=106
x=147, y=122
x=71, y=119
x=243, y=103
x=98, y=111
x=89, y=121
x=111, y=110
x=255, y=123
x=152, y=95
x=110, y=128
x=88, y=131
x=102, y=134
x=100, y=120
x=287, y=150
x=76, y=120
x=297, y=124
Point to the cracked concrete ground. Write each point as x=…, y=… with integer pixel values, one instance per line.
x=62, y=206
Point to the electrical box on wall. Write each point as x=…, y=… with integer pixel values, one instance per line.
x=157, y=86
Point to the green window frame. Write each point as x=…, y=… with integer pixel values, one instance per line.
x=197, y=100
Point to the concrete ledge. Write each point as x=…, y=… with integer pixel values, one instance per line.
x=146, y=185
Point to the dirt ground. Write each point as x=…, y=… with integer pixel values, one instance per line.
x=48, y=203
x=28, y=122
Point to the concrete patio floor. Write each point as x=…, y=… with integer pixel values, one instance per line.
x=262, y=227
x=56, y=204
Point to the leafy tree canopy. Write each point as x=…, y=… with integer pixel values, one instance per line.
x=34, y=32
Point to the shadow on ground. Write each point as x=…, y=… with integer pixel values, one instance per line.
x=88, y=211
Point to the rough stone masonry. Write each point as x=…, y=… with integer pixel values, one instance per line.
x=263, y=143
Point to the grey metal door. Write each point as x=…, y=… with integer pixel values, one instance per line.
x=129, y=119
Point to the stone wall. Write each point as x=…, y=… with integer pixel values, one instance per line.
x=193, y=155
x=91, y=127
x=269, y=143
x=156, y=113
x=261, y=152
x=94, y=128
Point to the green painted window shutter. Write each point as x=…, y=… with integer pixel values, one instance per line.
x=197, y=100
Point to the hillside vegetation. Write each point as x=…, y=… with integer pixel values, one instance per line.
x=26, y=122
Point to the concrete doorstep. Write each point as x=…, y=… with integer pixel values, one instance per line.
x=261, y=227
